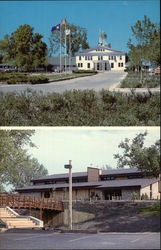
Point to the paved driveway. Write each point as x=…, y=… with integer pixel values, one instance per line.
x=96, y=82
x=50, y=240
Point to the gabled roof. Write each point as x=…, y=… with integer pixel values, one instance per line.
x=111, y=51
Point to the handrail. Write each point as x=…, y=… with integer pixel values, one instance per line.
x=23, y=201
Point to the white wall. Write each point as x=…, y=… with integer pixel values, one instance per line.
x=95, y=59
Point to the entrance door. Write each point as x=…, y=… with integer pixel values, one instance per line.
x=112, y=194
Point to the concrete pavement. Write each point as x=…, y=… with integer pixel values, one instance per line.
x=56, y=240
x=96, y=82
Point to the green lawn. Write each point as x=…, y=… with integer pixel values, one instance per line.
x=53, y=78
x=154, y=209
x=133, y=80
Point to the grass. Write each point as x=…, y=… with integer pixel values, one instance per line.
x=152, y=210
x=18, y=78
x=133, y=80
x=53, y=78
x=79, y=108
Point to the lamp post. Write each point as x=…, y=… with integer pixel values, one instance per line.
x=69, y=166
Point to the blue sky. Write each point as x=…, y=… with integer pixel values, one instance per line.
x=113, y=17
x=84, y=146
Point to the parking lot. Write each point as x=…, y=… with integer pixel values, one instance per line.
x=57, y=240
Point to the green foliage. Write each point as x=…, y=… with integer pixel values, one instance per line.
x=151, y=210
x=24, y=48
x=16, y=166
x=18, y=78
x=135, y=154
x=132, y=80
x=79, y=108
x=78, y=39
x=147, y=45
x=144, y=197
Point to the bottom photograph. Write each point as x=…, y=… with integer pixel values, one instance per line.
x=80, y=188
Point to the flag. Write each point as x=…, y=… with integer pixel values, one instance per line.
x=67, y=32
x=63, y=22
x=55, y=28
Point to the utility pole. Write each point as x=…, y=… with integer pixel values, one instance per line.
x=69, y=166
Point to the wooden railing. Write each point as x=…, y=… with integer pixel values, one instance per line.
x=18, y=201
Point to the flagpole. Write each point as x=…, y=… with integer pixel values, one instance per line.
x=60, y=48
x=65, y=51
x=70, y=52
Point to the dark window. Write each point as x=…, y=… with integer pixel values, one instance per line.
x=88, y=65
x=78, y=64
x=111, y=57
x=81, y=64
x=118, y=64
x=80, y=58
x=120, y=57
x=98, y=66
x=122, y=64
x=99, y=58
x=112, y=65
x=85, y=57
x=47, y=195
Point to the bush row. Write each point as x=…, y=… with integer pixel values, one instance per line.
x=133, y=80
x=79, y=108
x=17, y=78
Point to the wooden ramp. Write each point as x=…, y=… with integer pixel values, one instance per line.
x=17, y=201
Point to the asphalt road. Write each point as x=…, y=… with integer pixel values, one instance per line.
x=96, y=82
x=55, y=240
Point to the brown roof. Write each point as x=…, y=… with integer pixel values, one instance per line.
x=140, y=182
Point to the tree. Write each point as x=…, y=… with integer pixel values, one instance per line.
x=16, y=166
x=135, y=154
x=147, y=42
x=78, y=39
x=23, y=48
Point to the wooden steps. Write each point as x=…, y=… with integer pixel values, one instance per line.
x=13, y=220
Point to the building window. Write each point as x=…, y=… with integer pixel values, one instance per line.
x=112, y=65
x=80, y=58
x=98, y=66
x=88, y=65
x=118, y=64
x=122, y=64
x=47, y=195
x=120, y=57
x=86, y=58
x=99, y=58
x=78, y=64
x=109, y=58
x=81, y=65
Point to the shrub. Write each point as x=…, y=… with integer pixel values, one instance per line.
x=144, y=196
x=79, y=108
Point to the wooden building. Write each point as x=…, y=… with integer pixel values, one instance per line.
x=95, y=184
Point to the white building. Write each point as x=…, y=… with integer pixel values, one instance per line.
x=100, y=58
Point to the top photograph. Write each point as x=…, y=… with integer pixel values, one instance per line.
x=80, y=63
